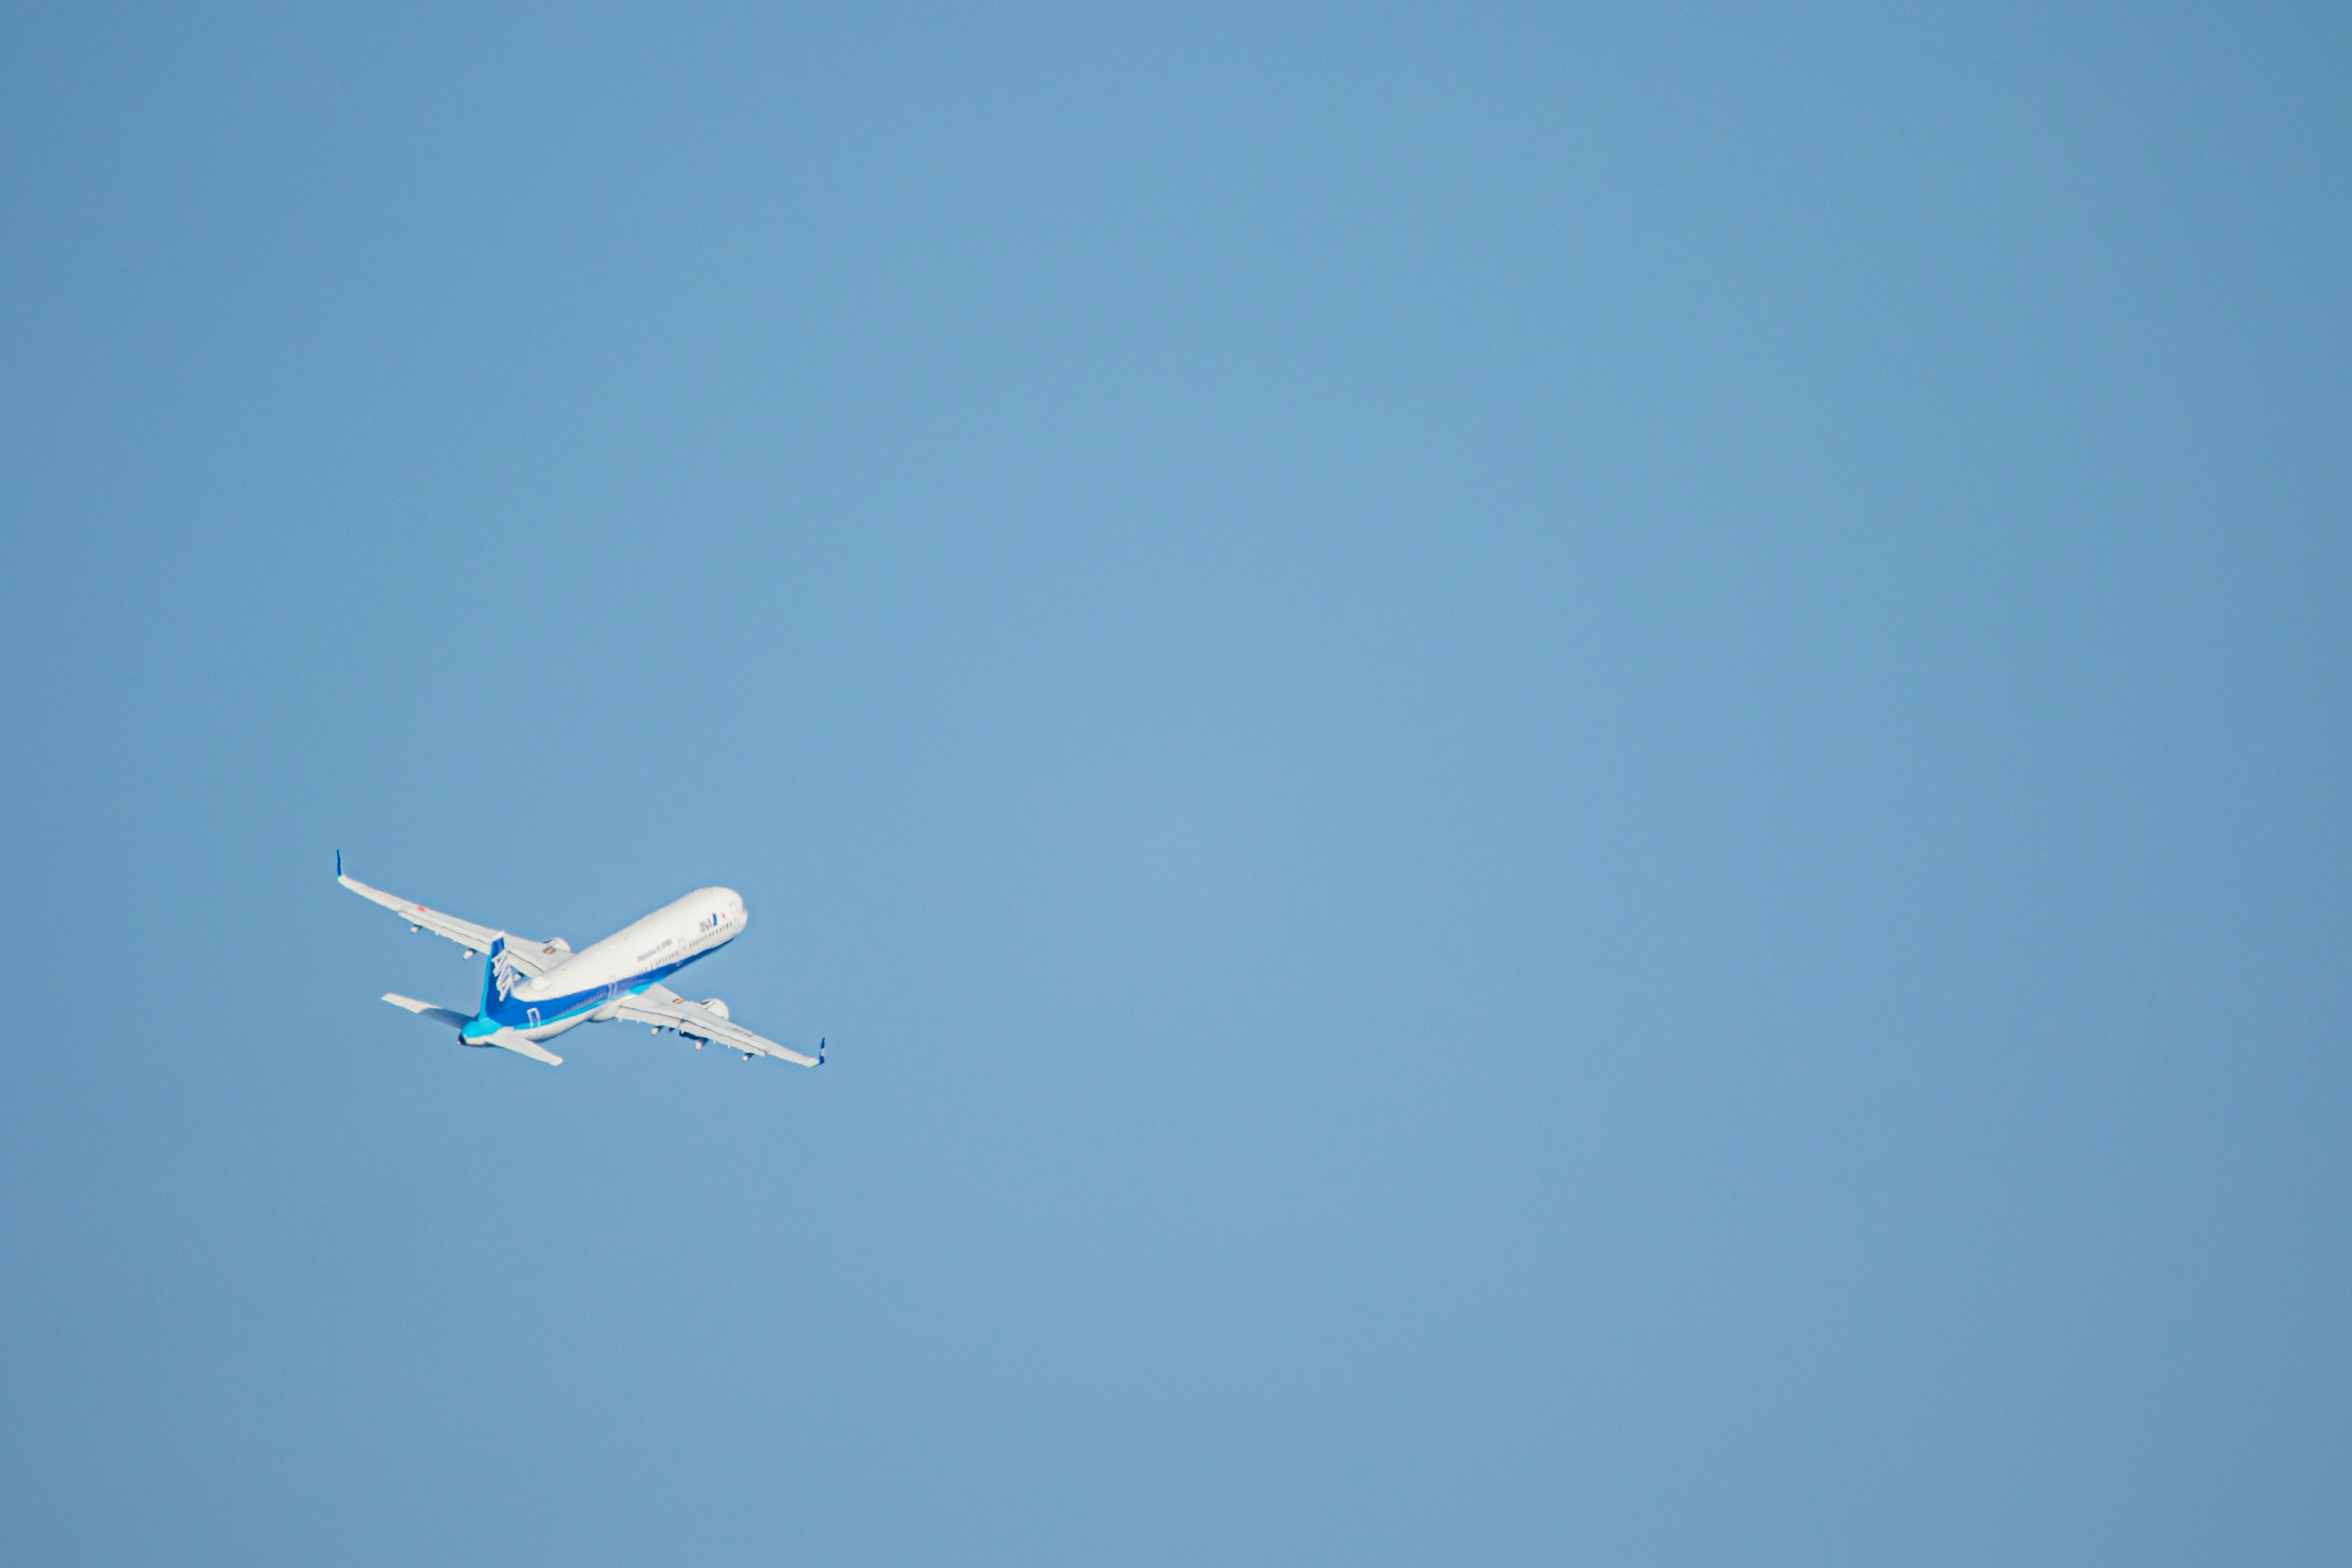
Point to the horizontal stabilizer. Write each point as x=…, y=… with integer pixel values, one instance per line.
x=426, y=1010
x=521, y=1044
x=508, y=1040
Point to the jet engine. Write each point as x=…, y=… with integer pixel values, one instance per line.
x=716, y=1005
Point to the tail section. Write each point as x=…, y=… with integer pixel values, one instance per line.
x=500, y=976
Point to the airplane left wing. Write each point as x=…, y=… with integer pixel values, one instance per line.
x=666, y=1009
x=531, y=957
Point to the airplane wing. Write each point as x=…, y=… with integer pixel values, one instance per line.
x=666, y=1009
x=531, y=957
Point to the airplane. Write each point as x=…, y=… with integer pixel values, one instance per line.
x=534, y=991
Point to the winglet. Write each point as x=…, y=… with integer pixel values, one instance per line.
x=820, y=1050
x=339, y=865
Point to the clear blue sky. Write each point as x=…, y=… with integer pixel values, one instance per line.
x=1563, y=785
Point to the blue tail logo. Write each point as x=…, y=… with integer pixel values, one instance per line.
x=500, y=975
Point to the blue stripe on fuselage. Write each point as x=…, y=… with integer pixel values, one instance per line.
x=511, y=1012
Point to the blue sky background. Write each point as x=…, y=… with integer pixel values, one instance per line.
x=1564, y=785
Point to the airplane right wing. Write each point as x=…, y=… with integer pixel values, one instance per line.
x=531, y=957
x=666, y=1009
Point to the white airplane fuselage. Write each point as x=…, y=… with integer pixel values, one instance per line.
x=589, y=984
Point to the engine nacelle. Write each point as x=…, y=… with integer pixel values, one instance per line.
x=716, y=1005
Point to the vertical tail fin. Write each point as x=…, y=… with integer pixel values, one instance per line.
x=496, y=976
